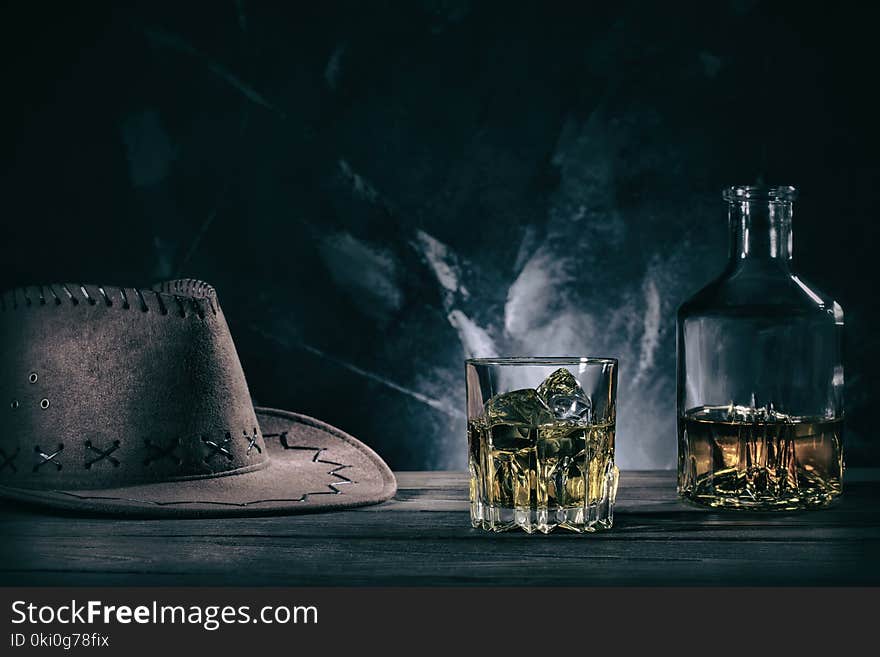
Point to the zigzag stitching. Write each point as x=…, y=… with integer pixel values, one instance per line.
x=282, y=439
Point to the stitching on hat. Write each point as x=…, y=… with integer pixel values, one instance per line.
x=334, y=471
x=86, y=295
x=285, y=438
x=389, y=482
x=218, y=447
x=199, y=292
x=107, y=300
x=103, y=454
x=252, y=441
x=70, y=296
x=189, y=287
x=162, y=451
x=9, y=459
x=316, y=458
x=189, y=297
x=162, y=309
x=302, y=498
x=199, y=310
x=144, y=307
x=48, y=458
x=323, y=426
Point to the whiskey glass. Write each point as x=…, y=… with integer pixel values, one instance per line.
x=541, y=443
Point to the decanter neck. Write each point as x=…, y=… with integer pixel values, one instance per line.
x=760, y=229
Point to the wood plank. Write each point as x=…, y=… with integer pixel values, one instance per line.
x=423, y=536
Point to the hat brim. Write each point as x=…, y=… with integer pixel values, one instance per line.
x=313, y=467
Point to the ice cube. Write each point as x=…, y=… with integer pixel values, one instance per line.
x=522, y=408
x=564, y=396
x=513, y=419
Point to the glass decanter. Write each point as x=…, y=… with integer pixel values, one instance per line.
x=760, y=372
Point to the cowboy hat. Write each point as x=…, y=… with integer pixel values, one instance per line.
x=132, y=401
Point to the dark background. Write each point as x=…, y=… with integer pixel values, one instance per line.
x=378, y=189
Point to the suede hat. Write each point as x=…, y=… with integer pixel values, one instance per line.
x=131, y=401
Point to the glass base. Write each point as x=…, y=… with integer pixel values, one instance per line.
x=587, y=518
x=745, y=503
x=761, y=489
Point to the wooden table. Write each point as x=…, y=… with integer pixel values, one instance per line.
x=423, y=537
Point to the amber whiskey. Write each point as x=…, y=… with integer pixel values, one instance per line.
x=739, y=457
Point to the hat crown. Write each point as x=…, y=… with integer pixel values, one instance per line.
x=105, y=386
